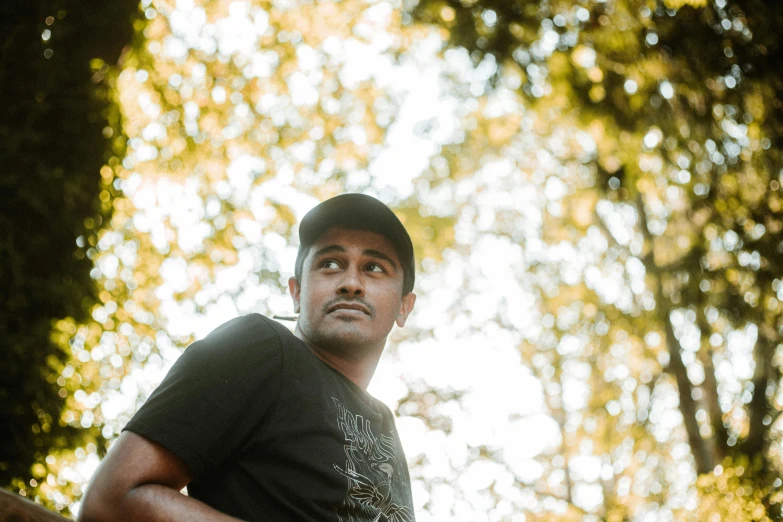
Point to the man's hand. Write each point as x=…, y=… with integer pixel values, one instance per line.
x=141, y=480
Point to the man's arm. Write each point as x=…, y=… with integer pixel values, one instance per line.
x=141, y=480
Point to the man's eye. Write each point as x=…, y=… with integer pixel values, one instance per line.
x=329, y=263
x=375, y=267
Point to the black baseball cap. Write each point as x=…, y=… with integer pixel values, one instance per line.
x=357, y=212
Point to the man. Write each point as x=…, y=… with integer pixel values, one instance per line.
x=262, y=424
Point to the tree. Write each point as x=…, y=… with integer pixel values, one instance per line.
x=681, y=106
x=62, y=141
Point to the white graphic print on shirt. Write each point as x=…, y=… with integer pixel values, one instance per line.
x=377, y=491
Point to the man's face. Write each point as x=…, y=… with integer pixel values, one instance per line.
x=350, y=293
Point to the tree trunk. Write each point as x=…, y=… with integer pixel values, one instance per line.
x=759, y=406
x=710, y=387
x=703, y=458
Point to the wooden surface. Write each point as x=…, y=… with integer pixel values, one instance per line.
x=14, y=508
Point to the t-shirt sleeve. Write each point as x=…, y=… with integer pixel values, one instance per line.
x=215, y=394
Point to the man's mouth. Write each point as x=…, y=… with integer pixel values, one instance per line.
x=349, y=307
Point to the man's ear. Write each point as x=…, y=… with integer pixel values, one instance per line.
x=406, y=307
x=294, y=289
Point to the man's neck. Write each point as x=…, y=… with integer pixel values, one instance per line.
x=357, y=370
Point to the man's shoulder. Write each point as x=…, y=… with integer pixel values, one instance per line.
x=247, y=338
x=250, y=328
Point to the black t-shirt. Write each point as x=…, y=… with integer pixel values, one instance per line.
x=272, y=433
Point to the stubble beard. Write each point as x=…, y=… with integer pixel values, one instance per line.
x=345, y=337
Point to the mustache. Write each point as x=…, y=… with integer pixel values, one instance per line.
x=339, y=300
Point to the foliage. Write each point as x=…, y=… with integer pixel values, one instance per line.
x=600, y=201
x=671, y=291
x=62, y=142
x=738, y=490
x=243, y=115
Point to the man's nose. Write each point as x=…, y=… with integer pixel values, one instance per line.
x=352, y=283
